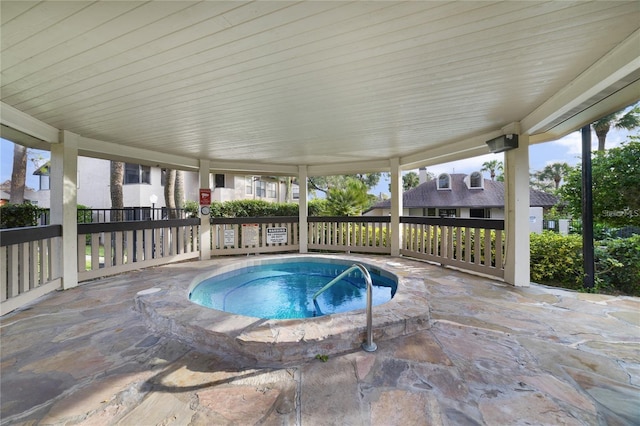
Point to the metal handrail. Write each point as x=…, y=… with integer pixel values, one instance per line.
x=368, y=345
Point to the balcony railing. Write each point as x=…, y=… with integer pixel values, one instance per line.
x=112, y=248
x=471, y=244
x=29, y=267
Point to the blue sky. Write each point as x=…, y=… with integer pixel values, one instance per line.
x=567, y=150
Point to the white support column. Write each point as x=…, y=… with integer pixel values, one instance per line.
x=205, y=226
x=516, y=268
x=64, y=204
x=396, y=206
x=303, y=234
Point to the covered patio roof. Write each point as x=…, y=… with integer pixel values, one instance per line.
x=338, y=87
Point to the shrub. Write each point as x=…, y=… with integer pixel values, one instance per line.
x=261, y=208
x=19, y=215
x=317, y=207
x=191, y=208
x=556, y=259
x=618, y=265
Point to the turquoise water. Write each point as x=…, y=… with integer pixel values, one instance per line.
x=285, y=290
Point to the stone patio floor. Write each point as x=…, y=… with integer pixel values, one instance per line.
x=494, y=355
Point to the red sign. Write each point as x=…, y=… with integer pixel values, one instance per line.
x=205, y=197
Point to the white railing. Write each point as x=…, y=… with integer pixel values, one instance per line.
x=471, y=244
x=112, y=248
x=362, y=234
x=28, y=264
x=30, y=269
x=254, y=235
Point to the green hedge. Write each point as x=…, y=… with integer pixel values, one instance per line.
x=261, y=208
x=557, y=260
x=19, y=215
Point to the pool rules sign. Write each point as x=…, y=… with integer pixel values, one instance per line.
x=277, y=235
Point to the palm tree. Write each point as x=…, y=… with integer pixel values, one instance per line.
x=555, y=172
x=617, y=120
x=18, y=174
x=491, y=167
x=115, y=184
x=410, y=180
x=349, y=200
x=170, y=192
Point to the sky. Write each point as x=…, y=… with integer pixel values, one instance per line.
x=567, y=149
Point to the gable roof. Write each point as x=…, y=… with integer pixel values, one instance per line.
x=428, y=195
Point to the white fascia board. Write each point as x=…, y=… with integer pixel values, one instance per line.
x=467, y=148
x=239, y=167
x=612, y=103
x=618, y=64
x=18, y=120
x=349, y=168
x=109, y=151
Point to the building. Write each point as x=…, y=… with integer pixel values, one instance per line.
x=144, y=184
x=460, y=195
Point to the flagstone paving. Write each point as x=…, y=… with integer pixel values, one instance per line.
x=494, y=355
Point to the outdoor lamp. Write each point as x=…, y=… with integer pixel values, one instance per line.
x=503, y=143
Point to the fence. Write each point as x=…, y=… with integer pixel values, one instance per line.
x=126, y=214
x=112, y=248
x=254, y=235
x=29, y=268
x=362, y=234
x=472, y=244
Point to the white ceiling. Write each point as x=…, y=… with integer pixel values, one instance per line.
x=338, y=86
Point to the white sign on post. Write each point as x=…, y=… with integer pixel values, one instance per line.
x=229, y=237
x=277, y=235
x=250, y=235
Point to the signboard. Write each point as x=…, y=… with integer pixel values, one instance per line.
x=250, y=235
x=205, y=196
x=277, y=235
x=229, y=237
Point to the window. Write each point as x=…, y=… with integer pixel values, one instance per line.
x=475, y=180
x=44, y=182
x=444, y=181
x=261, y=188
x=219, y=180
x=136, y=173
x=248, y=183
x=271, y=190
x=479, y=213
x=447, y=212
x=431, y=211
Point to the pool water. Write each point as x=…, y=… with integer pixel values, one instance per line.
x=285, y=290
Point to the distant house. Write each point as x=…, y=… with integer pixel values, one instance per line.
x=460, y=195
x=30, y=195
x=142, y=182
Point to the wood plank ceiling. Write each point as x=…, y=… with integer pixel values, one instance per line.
x=291, y=83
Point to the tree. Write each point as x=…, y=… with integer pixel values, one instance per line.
x=115, y=183
x=539, y=183
x=349, y=200
x=325, y=183
x=617, y=120
x=554, y=172
x=18, y=174
x=169, y=192
x=178, y=189
x=410, y=180
x=616, y=185
x=491, y=167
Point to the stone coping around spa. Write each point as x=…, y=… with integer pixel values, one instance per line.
x=267, y=342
